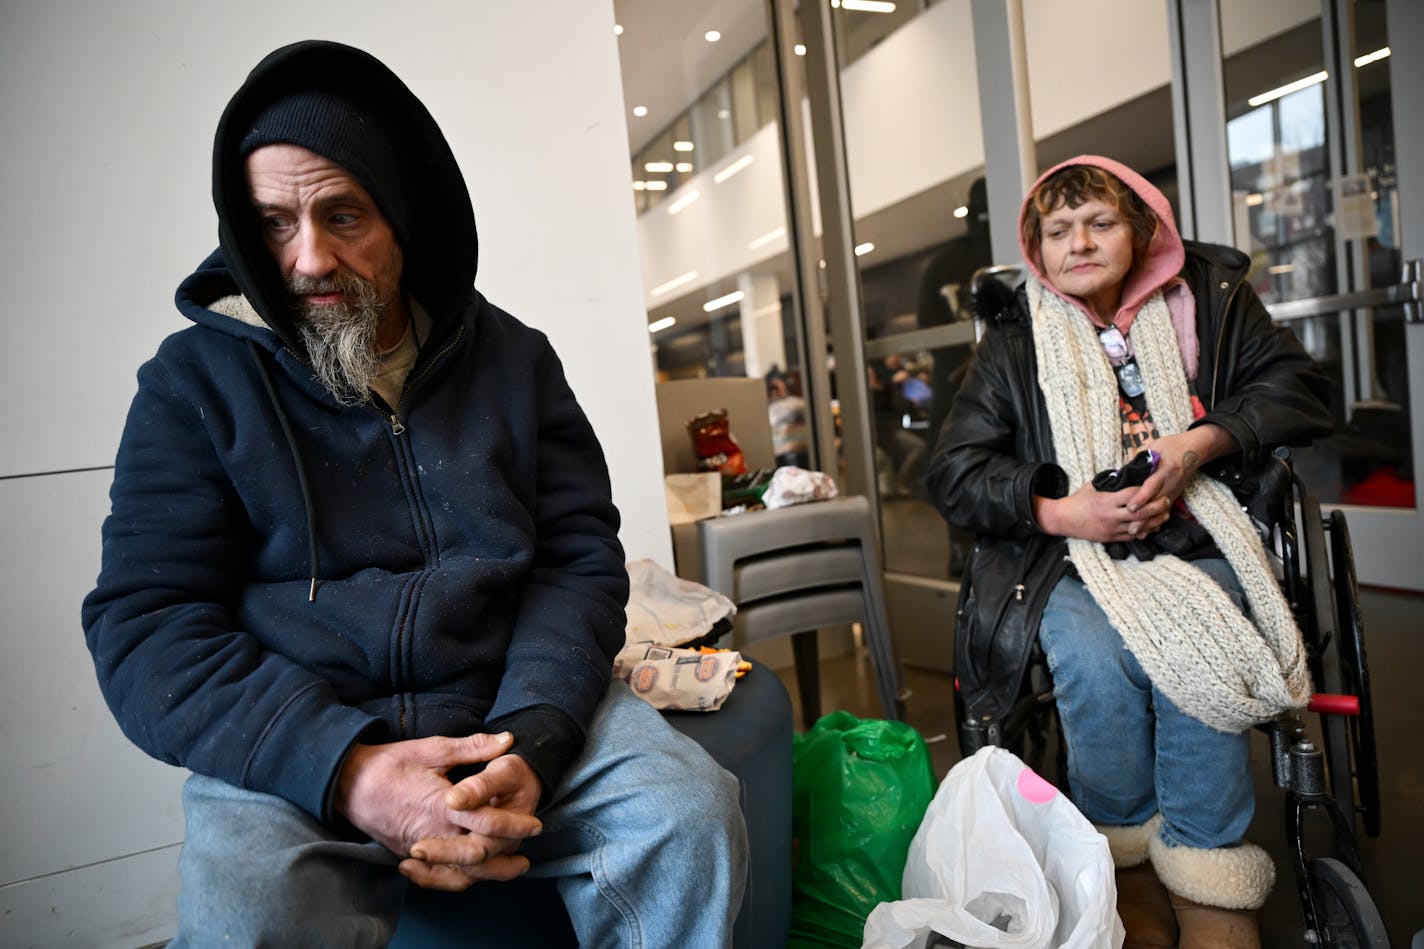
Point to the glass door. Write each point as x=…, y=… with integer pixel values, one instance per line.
x=1317, y=195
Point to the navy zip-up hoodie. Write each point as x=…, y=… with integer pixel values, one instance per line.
x=468, y=571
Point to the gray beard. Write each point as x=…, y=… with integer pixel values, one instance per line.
x=340, y=338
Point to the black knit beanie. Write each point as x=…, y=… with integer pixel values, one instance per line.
x=339, y=131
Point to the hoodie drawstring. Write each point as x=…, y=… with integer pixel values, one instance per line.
x=296, y=460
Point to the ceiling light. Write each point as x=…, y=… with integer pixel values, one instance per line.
x=655, y=185
x=767, y=238
x=1368, y=58
x=640, y=186
x=734, y=297
x=682, y=146
x=1287, y=89
x=862, y=249
x=732, y=169
x=962, y=211
x=640, y=110
x=617, y=29
x=658, y=167
x=1280, y=269
x=674, y=283
x=684, y=167
x=799, y=49
x=1255, y=199
x=866, y=6
x=657, y=326
x=711, y=36
x=724, y=113
x=684, y=201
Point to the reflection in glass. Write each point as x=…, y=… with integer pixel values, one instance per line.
x=1294, y=220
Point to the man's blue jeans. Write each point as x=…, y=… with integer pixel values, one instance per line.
x=645, y=836
x=1131, y=752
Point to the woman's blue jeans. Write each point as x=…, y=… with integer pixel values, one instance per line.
x=644, y=834
x=1131, y=752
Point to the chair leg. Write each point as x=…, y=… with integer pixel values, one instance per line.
x=805, y=649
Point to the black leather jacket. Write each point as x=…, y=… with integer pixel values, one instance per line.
x=995, y=452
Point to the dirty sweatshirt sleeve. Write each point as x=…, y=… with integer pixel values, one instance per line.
x=185, y=683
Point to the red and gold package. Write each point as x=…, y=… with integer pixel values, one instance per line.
x=713, y=444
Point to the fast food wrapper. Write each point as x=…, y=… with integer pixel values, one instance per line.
x=673, y=679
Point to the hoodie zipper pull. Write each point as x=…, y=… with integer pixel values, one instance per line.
x=397, y=426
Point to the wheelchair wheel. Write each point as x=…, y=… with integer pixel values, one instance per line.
x=1324, y=655
x=1355, y=675
x=1346, y=916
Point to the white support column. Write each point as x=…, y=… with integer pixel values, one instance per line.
x=763, y=340
x=1199, y=122
x=1010, y=157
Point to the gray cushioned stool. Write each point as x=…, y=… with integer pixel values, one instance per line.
x=750, y=736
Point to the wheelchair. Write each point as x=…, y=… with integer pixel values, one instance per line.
x=1336, y=781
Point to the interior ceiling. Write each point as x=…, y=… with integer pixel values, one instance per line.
x=667, y=63
x=666, y=60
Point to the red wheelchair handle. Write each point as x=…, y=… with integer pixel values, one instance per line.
x=1334, y=704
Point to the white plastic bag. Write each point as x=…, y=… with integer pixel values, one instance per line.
x=666, y=609
x=1002, y=860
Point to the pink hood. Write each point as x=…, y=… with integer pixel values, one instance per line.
x=1155, y=269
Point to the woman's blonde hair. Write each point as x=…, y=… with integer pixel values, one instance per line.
x=1076, y=184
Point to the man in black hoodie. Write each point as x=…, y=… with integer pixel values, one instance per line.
x=362, y=573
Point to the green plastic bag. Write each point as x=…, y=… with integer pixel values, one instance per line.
x=861, y=789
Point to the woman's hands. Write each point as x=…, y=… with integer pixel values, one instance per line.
x=1102, y=516
x=1134, y=513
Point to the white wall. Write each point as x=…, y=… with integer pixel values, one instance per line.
x=108, y=111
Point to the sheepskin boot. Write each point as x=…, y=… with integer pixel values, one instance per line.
x=1142, y=900
x=1216, y=892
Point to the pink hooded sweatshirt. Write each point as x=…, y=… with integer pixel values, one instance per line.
x=1155, y=268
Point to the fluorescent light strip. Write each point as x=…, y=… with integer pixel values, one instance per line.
x=868, y=6
x=658, y=167
x=674, y=283
x=862, y=249
x=655, y=185
x=1255, y=199
x=684, y=167
x=684, y=201
x=766, y=238
x=733, y=168
x=682, y=146
x=1374, y=57
x=712, y=305
x=658, y=326
x=1287, y=89
x=1280, y=269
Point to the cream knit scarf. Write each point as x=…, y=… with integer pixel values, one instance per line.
x=1192, y=641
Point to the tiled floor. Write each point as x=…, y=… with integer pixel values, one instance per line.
x=1394, y=863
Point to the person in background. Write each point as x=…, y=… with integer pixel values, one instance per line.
x=1154, y=603
x=362, y=572
x=786, y=413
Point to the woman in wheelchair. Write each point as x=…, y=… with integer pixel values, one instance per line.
x=1144, y=582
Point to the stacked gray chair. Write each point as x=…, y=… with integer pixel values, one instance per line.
x=796, y=570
